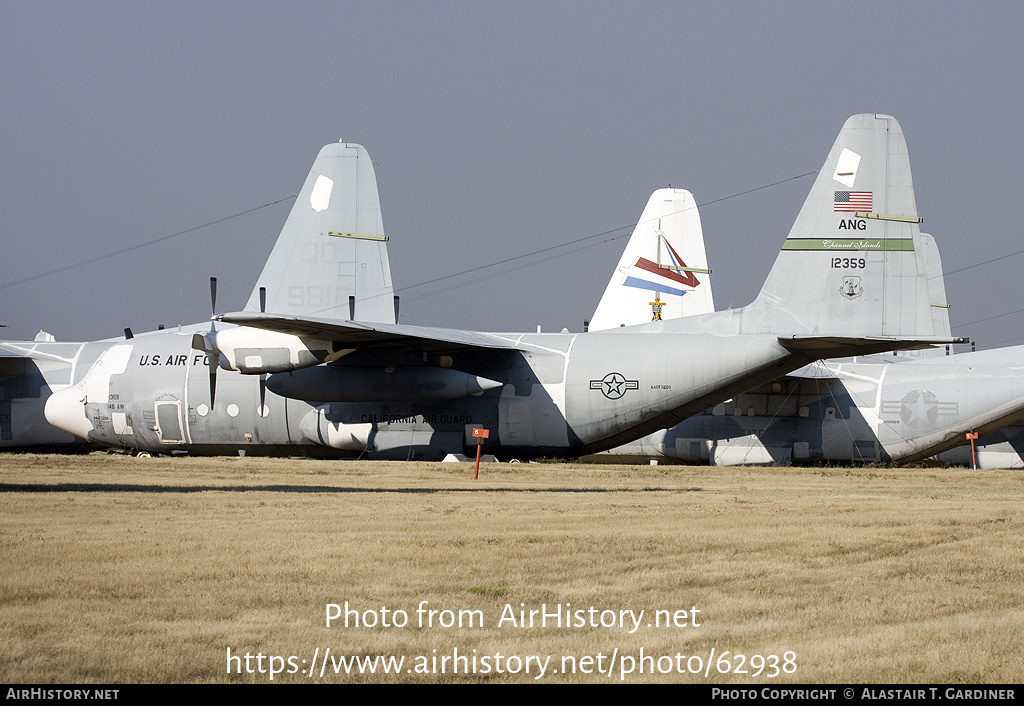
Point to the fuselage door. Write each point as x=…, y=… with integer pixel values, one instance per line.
x=168, y=422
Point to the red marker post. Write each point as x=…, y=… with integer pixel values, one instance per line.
x=972, y=435
x=479, y=434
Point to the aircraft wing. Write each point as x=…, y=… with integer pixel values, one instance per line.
x=351, y=334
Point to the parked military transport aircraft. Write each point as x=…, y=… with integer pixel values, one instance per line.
x=669, y=225
x=28, y=371
x=879, y=408
x=329, y=259
x=850, y=278
x=856, y=412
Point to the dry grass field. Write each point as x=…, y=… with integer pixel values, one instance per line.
x=118, y=569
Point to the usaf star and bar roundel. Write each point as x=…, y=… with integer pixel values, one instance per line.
x=614, y=385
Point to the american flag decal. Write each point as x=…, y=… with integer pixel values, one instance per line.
x=852, y=201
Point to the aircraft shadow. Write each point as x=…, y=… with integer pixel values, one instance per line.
x=136, y=488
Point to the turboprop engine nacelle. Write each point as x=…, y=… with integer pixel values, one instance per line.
x=343, y=383
x=253, y=351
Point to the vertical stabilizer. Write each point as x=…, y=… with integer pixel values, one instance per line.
x=853, y=262
x=664, y=261
x=332, y=246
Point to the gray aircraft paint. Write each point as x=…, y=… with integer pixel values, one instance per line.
x=330, y=258
x=857, y=413
x=894, y=409
x=29, y=370
x=331, y=246
x=557, y=394
x=1003, y=448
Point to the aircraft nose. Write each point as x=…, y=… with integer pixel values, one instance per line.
x=65, y=410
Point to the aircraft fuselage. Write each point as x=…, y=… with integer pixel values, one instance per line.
x=555, y=395
x=855, y=412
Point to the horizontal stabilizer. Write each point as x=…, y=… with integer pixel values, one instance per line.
x=841, y=347
x=29, y=350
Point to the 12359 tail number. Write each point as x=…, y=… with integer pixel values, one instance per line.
x=849, y=263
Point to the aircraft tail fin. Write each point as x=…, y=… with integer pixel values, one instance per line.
x=331, y=258
x=664, y=261
x=853, y=263
x=936, y=298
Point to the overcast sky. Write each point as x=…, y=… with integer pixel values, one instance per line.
x=497, y=129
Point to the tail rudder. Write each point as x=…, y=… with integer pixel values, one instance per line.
x=851, y=265
x=931, y=262
x=937, y=299
x=664, y=262
x=331, y=257
x=936, y=286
